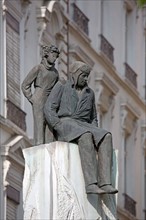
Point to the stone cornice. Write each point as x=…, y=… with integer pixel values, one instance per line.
x=105, y=91
x=74, y=28
x=11, y=128
x=129, y=116
x=43, y=14
x=12, y=149
x=129, y=4
x=143, y=135
x=80, y=54
x=132, y=111
x=107, y=82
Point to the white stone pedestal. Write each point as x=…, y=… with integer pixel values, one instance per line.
x=53, y=186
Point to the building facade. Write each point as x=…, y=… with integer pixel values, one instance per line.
x=110, y=36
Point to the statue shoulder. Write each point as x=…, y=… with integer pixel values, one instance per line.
x=40, y=66
x=90, y=90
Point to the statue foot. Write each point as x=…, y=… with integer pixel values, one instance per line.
x=94, y=189
x=109, y=189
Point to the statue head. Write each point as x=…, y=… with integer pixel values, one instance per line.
x=50, y=54
x=49, y=49
x=77, y=69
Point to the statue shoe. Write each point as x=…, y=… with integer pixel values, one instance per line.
x=109, y=189
x=94, y=189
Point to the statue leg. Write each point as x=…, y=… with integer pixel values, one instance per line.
x=39, y=132
x=105, y=152
x=89, y=163
x=49, y=136
x=88, y=158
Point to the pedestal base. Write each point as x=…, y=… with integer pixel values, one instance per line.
x=54, y=188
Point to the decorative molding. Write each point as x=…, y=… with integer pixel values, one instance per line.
x=54, y=5
x=143, y=135
x=77, y=53
x=12, y=149
x=13, y=160
x=11, y=128
x=6, y=163
x=4, y=7
x=25, y=4
x=129, y=116
x=43, y=16
x=129, y=4
x=106, y=89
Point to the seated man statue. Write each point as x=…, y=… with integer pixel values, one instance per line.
x=43, y=77
x=70, y=111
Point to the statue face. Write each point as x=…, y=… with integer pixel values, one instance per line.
x=82, y=79
x=52, y=56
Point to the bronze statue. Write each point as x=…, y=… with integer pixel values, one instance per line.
x=70, y=111
x=44, y=76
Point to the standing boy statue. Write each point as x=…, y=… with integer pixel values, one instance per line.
x=44, y=76
x=70, y=111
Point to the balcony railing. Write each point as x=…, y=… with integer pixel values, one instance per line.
x=16, y=115
x=130, y=204
x=131, y=75
x=107, y=48
x=80, y=19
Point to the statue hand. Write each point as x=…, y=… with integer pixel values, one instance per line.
x=59, y=129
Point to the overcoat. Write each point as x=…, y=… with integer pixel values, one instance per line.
x=71, y=116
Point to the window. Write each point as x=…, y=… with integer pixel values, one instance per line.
x=13, y=72
x=11, y=209
x=13, y=199
x=129, y=125
x=80, y=19
x=130, y=53
x=13, y=59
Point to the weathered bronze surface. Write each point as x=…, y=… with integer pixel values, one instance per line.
x=43, y=76
x=70, y=111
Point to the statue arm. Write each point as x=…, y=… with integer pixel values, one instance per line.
x=94, y=113
x=52, y=105
x=30, y=78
